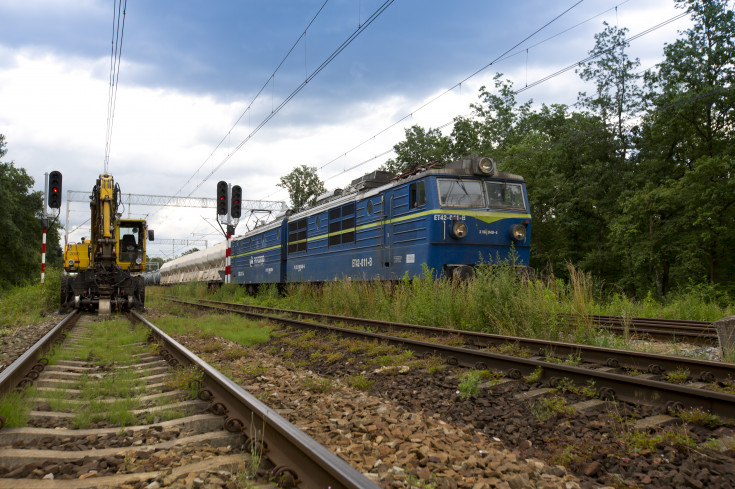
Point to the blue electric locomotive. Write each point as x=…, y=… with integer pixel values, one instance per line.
x=384, y=227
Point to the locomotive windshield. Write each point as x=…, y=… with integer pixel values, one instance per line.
x=505, y=195
x=460, y=193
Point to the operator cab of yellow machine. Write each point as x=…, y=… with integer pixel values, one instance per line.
x=131, y=239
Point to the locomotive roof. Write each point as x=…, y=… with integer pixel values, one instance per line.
x=359, y=195
x=355, y=195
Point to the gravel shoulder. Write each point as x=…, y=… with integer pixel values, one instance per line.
x=404, y=423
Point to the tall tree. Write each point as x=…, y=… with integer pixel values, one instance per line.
x=615, y=102
x=21, y=210
x=685, y=208
x=618, y=94
x=501, y=118
x=420, y=148
x=303, y=186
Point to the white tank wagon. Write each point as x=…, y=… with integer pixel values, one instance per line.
x=206, y=265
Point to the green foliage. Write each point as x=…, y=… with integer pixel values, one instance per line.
x=103, y=343
x=21, y=211
x=469, y=381
x=359, y=382
x=421, y=148
x=229, y=326
x=316, y=385
x=303, y=186
x=534, y=376
x=636, y=441
x=468, y=384
x=642, y=208
x=15, y=407
x=567, y=385
x=497, y=300
x=699, y=416
x=433, y=364
x=30, y=304
x=185, y=379
x=546, y=407
x=678, y=376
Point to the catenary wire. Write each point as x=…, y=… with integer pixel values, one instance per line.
x=537, y=82
x=255, y=98
x=314, y=73
x=115, y=56
x=502, y=57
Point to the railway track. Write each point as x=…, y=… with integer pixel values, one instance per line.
x=634, y=377
x=121, y=404
x=696, y=332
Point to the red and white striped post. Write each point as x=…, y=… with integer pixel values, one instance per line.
x=43, y=255
x=228, y=277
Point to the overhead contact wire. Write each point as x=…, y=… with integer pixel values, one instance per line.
x=277, y=109
x=516, y=92
x=257, y=95
x=118, y=32
x=458, y=84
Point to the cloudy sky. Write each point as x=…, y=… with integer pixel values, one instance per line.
x=197, y=78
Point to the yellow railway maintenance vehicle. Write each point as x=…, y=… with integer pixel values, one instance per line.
x=104, y=270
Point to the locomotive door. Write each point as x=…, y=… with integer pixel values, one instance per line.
x=387, y=216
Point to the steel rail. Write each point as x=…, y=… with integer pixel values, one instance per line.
x=698, y=332
x=609, y=385
x=17, y=373
x=300, y=460
x=26, y=368
x=653, y=363
x=705, y=325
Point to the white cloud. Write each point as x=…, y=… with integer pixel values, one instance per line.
x=53, y=112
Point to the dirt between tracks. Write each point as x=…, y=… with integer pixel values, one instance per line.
x=411, y=424
x=393, y=446
x=15, y=340
x=405, y=422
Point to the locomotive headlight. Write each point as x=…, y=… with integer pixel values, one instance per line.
x=138, y=261
x=458, y=229
x=486, y=165
x=518, y=232
x=71, y=263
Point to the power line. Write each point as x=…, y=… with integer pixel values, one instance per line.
x=115, y=56
x=255, y=98
x=593, y=56
x=313, y=74
x=516, y=92
x=458, y=84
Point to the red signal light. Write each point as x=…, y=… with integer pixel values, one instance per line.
x=54, y=183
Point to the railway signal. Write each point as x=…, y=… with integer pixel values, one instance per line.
x=236, y=202
x=221, y=198
x=231, y=208
x=54, y=194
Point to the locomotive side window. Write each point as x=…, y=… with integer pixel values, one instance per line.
x=341, y=219
x=460, y=193
x=417, y=194
x=505, y=195
x=297, y=236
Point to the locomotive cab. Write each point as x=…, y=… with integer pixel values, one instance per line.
x=482, y=213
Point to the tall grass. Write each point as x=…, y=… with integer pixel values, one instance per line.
x=229, y=326
x=30, y=304
x=498, y=300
